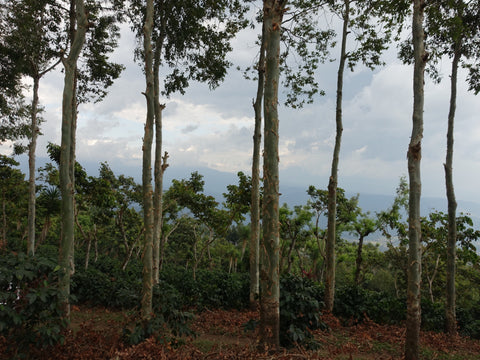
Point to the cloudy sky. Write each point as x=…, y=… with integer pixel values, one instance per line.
x=214, y=128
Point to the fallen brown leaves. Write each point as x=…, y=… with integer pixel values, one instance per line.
x=221, y=336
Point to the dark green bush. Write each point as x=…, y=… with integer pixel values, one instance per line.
x=169, y=321
x=210, y=289
x=354, y=303
x=219, y=289
x=469, y=321
x=29, y=313
x=104, y=283
x=300, y=310
x=433, y=315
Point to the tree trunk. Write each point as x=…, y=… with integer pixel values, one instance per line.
x=359, y=260
x=147, y=288
x=159, y=167
x=431, y=279
x=45, y=229
x=269, y=277
x=333, y=181
x=414, y=156
x=87, y=254
x=289, y=254
x=3, y=240
x=450, y=315
x=67, y=155
x=31, y=169
x=130, y=251
x=254, y=256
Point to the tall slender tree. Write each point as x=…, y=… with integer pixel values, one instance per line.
x=35, y=25
x=273, y=11
x=254, y=256
x=81, y=84
x=414, y=155
x=333, y=180
x=79, y=24
x=191, y=39
x=373, y=23
x=147, y=289
x=453, y=28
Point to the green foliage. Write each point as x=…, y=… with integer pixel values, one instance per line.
x=168, y=321
x=211, y=289
x=469, y=320
x=194, y=38
x=353, y=304
x=299, y=310
x=219, y=289
x=105, y=284
x=29, y=313
x=433, y=315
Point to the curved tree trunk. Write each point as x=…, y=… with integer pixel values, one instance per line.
x=333, y=181
x=414, y=156
x=255, y=206
x=450, y=315
x=269, y=275
x=67, y=154
x=147, y=282
x=31, y=169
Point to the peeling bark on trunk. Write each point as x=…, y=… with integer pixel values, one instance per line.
x=414, y=157
x=31, y=169
x=270, y=248
x=450, y=315
x=333, y=181
x=254, y=255
x=147, y=283
x=67, y=154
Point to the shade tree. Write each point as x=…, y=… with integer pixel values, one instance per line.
x=190, y=39
x=12, y=206
x=295, y=228
x=453, y=28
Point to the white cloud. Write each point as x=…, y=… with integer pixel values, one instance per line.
x=215, y=129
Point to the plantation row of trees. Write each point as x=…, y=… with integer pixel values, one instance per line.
x=201, y=234
x=191, y=39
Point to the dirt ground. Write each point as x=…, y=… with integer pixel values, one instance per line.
x=97, y=334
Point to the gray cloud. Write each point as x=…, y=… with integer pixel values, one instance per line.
x=189, y=128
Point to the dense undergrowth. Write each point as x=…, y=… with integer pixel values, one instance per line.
x=29, y=314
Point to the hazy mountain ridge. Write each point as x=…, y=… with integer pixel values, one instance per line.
x=216, y=184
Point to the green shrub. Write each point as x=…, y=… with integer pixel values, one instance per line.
x=29, y=311
x=469, y=321
x=433, y=315
x=211, y=289
x=169, y=321
x=300, y=310
x=104, y=283
x=354, y=303
x=219, y=289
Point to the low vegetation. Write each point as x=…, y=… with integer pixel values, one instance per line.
x=206, y=317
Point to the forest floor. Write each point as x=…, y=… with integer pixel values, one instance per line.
x=97, y=334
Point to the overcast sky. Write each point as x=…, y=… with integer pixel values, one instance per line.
x=214, y=128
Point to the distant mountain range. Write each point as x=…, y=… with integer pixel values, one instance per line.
x=216, y=184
